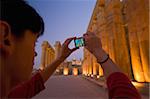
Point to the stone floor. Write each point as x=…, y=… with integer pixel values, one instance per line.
x=71, y=87
x=143, y=88
x=79, y=87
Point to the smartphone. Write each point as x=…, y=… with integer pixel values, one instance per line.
x=79, y=42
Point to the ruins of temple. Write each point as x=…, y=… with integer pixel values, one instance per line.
x=48, y=54
x=123, y=26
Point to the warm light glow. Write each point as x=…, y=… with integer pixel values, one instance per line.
x=94, y=69
x=57, y=70
x=75, y=71
x=88, y=74
x=65, y=71
x=100, y=71
x=41, y=68
x=83, y=71
x=146, y=69
x=139, y=77
x=98, y=76
x=140, y=70
x=136, y=84
x=90, y=69
x=137, y=70
x=92, y=75
x=137, y=66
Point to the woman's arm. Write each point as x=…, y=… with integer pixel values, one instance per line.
x=119, y=85
x=62, y=55
x=93, y=44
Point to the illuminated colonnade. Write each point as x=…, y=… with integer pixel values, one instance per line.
x=124, y=34
x=48, y=54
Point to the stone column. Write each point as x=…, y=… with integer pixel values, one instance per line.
x=102, y=32
x=43, y=56
x=135, y=57
x=117, y=36
x=75, y=71
x=101, y=26
x=47, y=53
x=100, y=70
x=86, y=58
x=94, y=66
x=87, y=63
x=65, y=71
x=84, y=67
x=46, y=57
x=91, y=64
x=49, y=56
x=57, y=48
x=111, y=39
x=143, y=36
x=84, y=63
x=138, y=22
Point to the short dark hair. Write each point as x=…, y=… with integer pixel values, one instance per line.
x=21, y=16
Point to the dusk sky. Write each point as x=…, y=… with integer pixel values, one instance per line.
x=63, y=19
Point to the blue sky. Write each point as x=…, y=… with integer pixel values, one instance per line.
x=63, y=19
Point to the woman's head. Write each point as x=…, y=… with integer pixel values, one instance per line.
x=20, y=26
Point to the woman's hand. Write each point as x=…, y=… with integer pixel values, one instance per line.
x=62, y=55
x=93, y=44
x=65, y=50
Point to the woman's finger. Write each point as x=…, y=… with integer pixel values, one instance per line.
x=72, y=50
x=69, y=40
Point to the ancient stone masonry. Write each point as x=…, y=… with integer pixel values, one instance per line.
x=48, y=54
x=57, y=48
x=123, y=26
x=137, y=20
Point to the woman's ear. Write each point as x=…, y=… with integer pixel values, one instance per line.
x=5, y=38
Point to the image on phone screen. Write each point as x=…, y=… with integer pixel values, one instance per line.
x=79, y=42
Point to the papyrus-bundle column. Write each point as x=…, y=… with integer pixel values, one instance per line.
x=47, y=54
x=138, y=22
x=117, y=36
x=43, y=56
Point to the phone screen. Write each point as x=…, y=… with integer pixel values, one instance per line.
x=79, y=42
